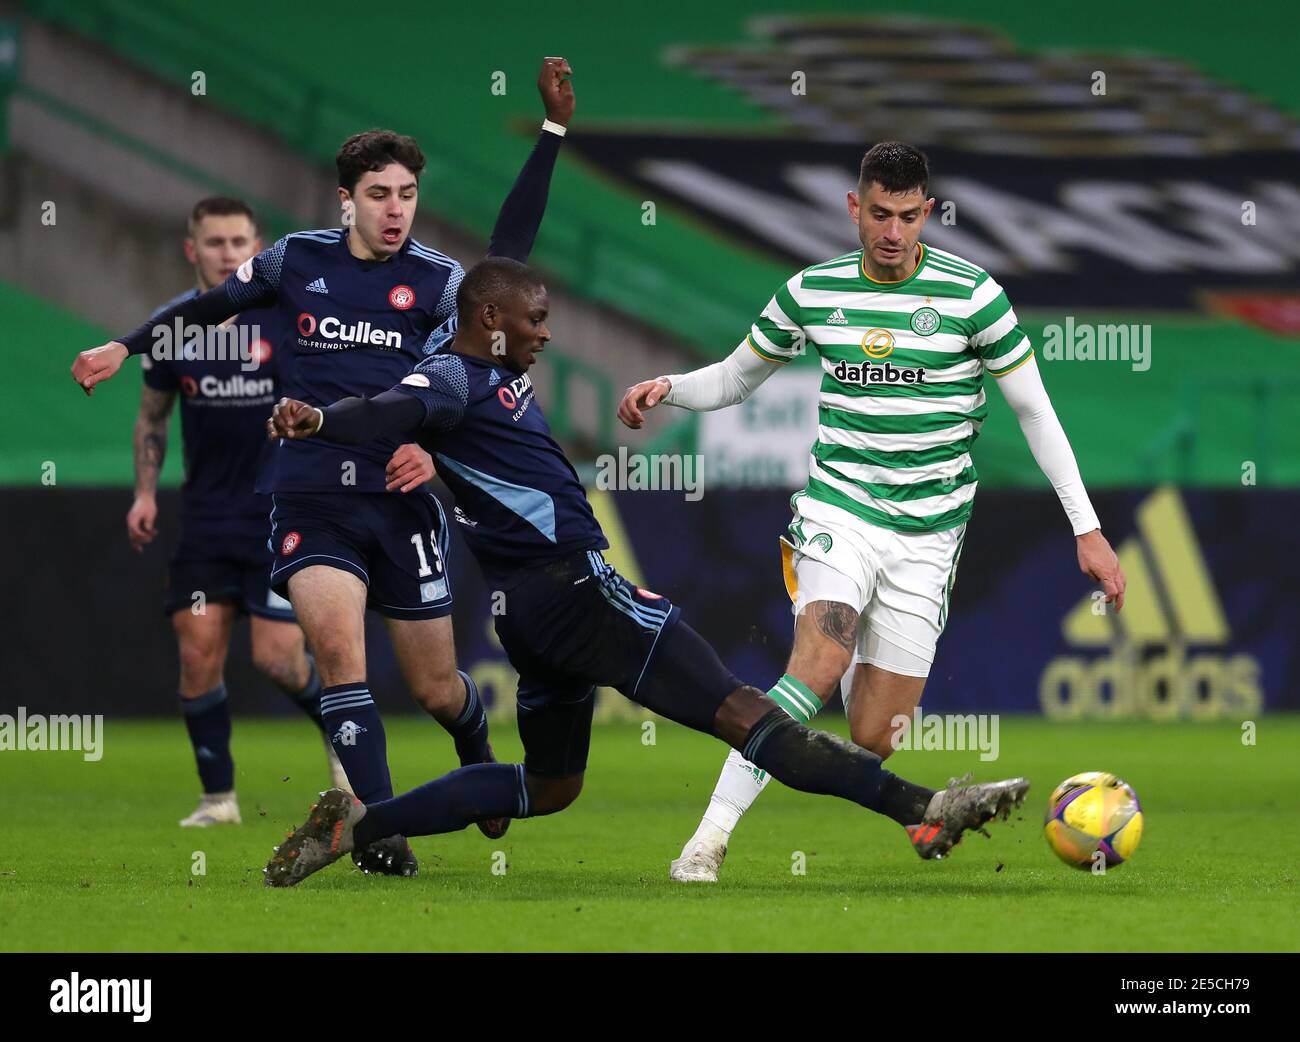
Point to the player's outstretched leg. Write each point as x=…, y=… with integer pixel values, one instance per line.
x=687, y=680
x=817, y=762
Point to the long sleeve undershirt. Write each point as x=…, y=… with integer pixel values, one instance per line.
x=356, y=421
x=1024, y=391
x=520, y=216
x=432, y=397
x=724, y=383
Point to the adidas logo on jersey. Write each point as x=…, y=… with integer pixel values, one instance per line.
x=836, y=318
x=317, y=286
x=886, y=373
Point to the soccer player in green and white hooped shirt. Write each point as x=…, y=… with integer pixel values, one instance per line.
x=906, y=334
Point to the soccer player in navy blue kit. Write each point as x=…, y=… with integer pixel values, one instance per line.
x=570, y=621
x=362, y=304
x=222, y=566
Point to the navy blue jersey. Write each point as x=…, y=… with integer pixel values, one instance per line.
x=224, y=403
x=348, y=327
x=518, y=499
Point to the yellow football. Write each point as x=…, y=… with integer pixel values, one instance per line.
x=1093, y=819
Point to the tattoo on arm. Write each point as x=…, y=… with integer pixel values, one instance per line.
x=837, y=621
x=151, y=437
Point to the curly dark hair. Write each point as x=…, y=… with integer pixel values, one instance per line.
x=374, y=150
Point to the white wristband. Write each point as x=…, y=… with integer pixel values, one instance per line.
x=320, y=423
x=555, y=128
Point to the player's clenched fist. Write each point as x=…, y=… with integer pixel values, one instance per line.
x=293, y=419
x=640, y=398
x=98, y=364
x=556, y=90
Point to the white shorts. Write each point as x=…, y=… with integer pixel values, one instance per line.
x=899, y=583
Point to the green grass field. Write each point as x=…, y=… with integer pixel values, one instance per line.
x=91, y=857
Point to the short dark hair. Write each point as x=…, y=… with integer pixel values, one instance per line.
x=896, y=167
x=491, y=280
x=220, y=206
x=374, y=150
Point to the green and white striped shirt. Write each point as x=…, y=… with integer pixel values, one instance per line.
x=902, y=393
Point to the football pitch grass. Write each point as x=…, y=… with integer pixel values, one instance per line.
x=91, y=857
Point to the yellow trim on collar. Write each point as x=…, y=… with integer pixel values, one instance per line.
x=862, y=266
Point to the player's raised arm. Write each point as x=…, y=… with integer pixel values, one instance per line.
x=520, y=216
x=255, y=284
x=1023, y=389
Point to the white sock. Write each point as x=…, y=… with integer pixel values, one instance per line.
x=741, y=781
x=738, y=787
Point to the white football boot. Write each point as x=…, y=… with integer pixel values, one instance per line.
x=215, y=808
x=702, y=856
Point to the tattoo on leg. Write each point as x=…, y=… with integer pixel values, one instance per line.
x=837, y=621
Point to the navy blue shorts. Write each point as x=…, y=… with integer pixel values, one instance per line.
x=575, y=623
x=394, y=542
x=224, y=568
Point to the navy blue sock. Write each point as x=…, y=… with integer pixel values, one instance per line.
x=814, y=761
x=207, y=719
x=470, y=731
x=448, y=804
x=357, y=734
x=308, y=699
